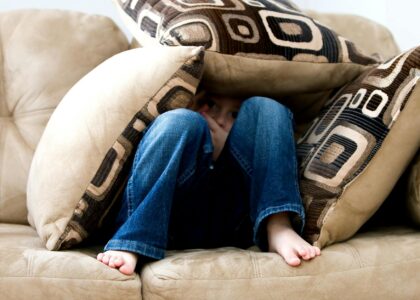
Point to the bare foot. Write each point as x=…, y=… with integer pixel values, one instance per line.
x=124, y=261
x=283, y=240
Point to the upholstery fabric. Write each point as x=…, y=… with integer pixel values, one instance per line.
x=349, y=162
x=413, y=190
x=381, y=264
x=87, y=146
x=266, y=48
x=371, y=37
x=42, y=54
x=29, y=271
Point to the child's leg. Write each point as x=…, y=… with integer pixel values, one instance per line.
x=262, y=142
x=166, y=158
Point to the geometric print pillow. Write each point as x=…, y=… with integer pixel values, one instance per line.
x=355, y=151
x=84, y=156
x=262, y=47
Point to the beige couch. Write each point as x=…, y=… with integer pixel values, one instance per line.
x=42, y=55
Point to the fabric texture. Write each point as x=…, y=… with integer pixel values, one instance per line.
x=87, y=146
x=29, y=271
x=266, y=48
x=365, y=33
x=43, y=53
x=380, y=264
x=349, y=162
x=413, y=190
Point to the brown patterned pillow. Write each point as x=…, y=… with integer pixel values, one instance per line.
x=358, y=147
x=264, y=47
x=85, y=152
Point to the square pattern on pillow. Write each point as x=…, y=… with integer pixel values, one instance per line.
x=265, y=47
x=357, y=148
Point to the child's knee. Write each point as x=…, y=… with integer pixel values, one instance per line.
x=266, y=106
x=181, y=120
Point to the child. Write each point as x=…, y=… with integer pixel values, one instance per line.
x=225, y=175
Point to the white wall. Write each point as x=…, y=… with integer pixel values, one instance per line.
x=401, y=16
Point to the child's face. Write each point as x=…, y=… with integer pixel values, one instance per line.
x=222, y=109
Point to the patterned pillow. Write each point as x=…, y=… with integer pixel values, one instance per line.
x=413, y=191
x=263, y=47
x=355, y=151
x=85, y=152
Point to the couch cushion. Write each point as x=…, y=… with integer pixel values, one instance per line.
x=380, y=264
x=358, y=147
x=87, y=146
x=413, y=190
x=267, y=48
x=42, y=54
x=368, y=35
x=29, y=271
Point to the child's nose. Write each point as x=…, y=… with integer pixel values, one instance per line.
x=220, y=119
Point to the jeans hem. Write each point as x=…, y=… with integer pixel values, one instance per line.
x=298, y=209
x=136, y=247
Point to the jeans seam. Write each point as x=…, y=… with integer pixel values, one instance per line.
x=245, y=166
x=296, y=208
x=295, y=167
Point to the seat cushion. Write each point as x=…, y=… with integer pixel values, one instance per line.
x=29, y=271
x=42, y=54
x=381, y=264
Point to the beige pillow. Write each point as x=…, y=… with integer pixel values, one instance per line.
x=268, y=48
x=413, y=191
x=85, y=153
x=358, y=147
x=42, y=55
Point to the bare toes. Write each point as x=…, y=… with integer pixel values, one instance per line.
x=291, y=258
x=100, y=256
x=304, y=253
x=106, y=258
x=127, y=269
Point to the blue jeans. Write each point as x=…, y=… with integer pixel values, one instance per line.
x=176, y=197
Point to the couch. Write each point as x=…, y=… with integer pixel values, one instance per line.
x=44, y=53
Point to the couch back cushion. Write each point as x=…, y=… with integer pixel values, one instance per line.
x=370, y=36
x=42, y=54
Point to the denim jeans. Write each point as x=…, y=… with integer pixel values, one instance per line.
x=176, y=196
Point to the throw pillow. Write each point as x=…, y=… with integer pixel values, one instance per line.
x=265, y=47
x=85, y=153
x=413, y=191
x=43, y=53
x=356, y=150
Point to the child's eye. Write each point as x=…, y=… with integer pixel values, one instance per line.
x=210, y=102
x=234, y=114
